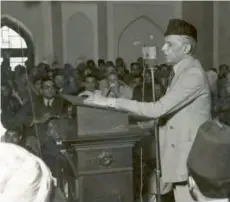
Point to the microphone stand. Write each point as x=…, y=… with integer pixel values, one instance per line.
x=156, y=134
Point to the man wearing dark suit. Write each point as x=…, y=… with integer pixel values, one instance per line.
x=44, y=108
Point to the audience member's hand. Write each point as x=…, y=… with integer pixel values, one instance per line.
x=45, y=117
x=16, y=95
x=115, y=90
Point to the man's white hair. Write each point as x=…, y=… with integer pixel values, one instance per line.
x=23, y=176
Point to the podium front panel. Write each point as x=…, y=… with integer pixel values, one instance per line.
x=94, y=121
x=110, y=187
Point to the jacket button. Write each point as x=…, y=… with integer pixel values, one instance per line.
x=172, y=145
x=171, y=127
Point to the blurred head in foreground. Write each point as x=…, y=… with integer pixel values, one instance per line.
x=23, y=176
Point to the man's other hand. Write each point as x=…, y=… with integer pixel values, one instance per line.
x=98, y=100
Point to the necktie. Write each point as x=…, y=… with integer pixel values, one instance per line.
x=48, y=103
x=170, y=78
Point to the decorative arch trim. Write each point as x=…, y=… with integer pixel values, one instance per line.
x=81, y=13
x=132, y=22
x=21, y=29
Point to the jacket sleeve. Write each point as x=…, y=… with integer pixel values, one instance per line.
x=187, y=88
x=22, y=117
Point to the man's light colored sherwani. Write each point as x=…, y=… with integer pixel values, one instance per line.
x=187, y=104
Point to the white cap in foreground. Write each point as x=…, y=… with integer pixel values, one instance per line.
x=23, y=176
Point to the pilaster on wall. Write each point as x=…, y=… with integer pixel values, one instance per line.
x=200, y=14
x=216, y=34
x=48, y=31
x=90, y=11
x=31, y=19
x=102, y=29
x=57, y=32
x=222, y=32
x=110, y=26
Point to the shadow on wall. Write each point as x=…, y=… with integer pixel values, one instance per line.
x=79, y=38
x=139, y=32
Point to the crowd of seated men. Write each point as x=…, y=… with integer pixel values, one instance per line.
x=30, y=101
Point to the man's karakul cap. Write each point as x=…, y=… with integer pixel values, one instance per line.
x=209, y=160
x=181, y=27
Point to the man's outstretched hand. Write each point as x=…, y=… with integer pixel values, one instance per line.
x=96, y=100
x=89, y=98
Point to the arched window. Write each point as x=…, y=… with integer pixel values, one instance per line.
x=16, y=44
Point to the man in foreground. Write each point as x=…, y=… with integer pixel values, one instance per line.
x=185, y=106
x=209, y=163
x=23, y=176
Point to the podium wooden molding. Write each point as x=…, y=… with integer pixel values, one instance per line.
x=103, y=155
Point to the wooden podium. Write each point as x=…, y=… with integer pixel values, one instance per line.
x=103, y=155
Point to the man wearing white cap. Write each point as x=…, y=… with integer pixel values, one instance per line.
x=23, y=176
x=185, y=106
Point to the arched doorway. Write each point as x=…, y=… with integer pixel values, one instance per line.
x=16, y=44
x=138, y=33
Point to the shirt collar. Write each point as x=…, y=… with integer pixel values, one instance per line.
x=48, y=100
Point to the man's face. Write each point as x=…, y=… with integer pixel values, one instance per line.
x=23, y=79
x=228, y=83
x=112, y=79
x=37, y=85
x=53, y=130
x=72, y=81
x=34, y=71
x=5, y=91
x=91, y=64
x=87, y=71
x=109, y=70
x=223, y=70
x=119, y=62
x=137, y=81
x=173, y=49
x=50, y=74
x=12, y=137
x=90, y=84
x=59, y=81
x=48, y=89
x=148, y=78
x=140, y=61
x=120, y=70
x=136, y=70
x=158, y=91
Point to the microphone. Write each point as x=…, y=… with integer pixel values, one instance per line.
x=150, y=54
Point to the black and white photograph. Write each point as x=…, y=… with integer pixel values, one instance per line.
x=115, y=101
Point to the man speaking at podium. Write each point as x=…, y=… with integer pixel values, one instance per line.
x=186, y=105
